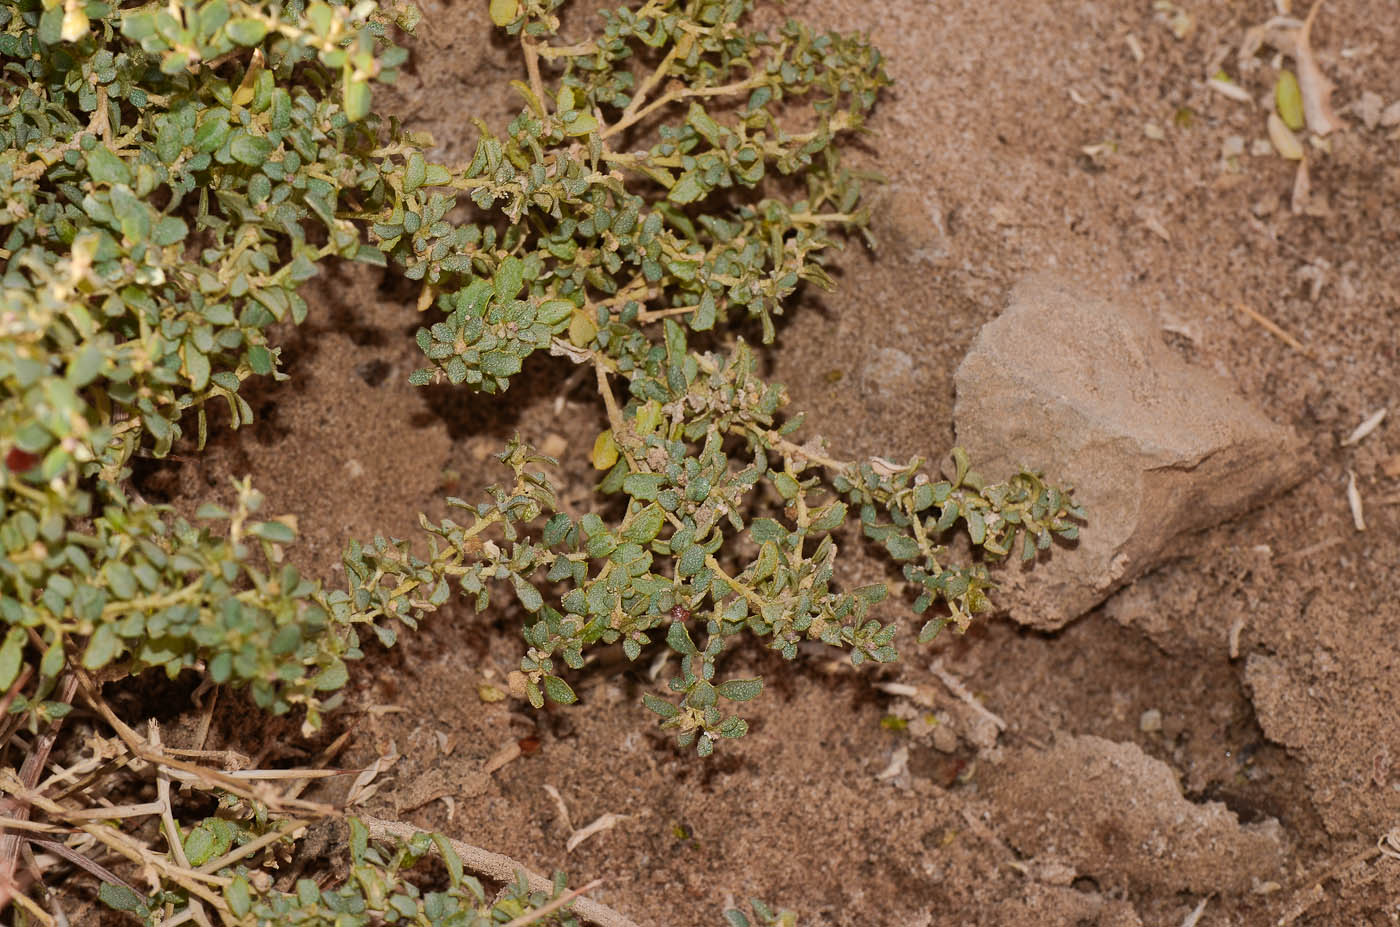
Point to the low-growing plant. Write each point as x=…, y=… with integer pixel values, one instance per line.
x=173, y=173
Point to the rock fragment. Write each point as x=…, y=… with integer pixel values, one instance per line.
x=1087, y=392
x=1116, y=814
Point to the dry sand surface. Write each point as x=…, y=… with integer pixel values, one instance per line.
x=1222, y=730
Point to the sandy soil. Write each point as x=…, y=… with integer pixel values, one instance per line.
x=982, y=141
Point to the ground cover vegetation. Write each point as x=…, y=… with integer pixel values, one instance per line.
x=173, y=173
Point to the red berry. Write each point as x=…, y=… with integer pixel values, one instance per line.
x=21, y=461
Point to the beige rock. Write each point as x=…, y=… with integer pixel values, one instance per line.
x=1116, y=814
x=1087, y=392
x=1041, y=903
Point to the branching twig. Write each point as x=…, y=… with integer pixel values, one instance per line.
x=531, y=917
x=82, y=862
x=502, y=869
x=29, y=775
x=228, y=782
x=956, y=687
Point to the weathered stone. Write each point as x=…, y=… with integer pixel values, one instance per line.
x=1114, y=813
x=1087, y=392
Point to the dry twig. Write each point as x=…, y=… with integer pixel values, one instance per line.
x=29, y=774
x=1303, y=553
x=1373, y=421
x=1358, y=517
x=1195, y=916
x=605, y=822
x=1316, y=89
x=502, y=869
x=956, y=687
x=1272, y=328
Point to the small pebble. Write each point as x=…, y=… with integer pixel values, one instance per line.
x=1150, y=722
x=1369, y=108
x=554, y=445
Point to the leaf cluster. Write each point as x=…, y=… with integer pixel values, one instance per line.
x=383, y=887
x=173, y=173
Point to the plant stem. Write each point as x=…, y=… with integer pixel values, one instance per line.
x=532, y=68
x=501, y=869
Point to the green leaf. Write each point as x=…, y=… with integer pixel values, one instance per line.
x=53, y=662
x=510, y=277
x=504, y=12
x=734, y=728
x=274, y=531
x=212, y=16
x=829, y=518
x=251, y=150
x=691, y=561
x=500, y=363
x=169, y=230
x=558, y=690
x=105, y=167
x=961, y=464
x=930, y=629
x=134, y=215
x=138, y=24
x=766, y=529
x=976, y=526
x=331, y=678
x=1288, y=100
x=679, y=639
x=245, y=31
x=740, y=690
x=12, y=656
x=213, y=129
x=702, y=695
x=415, y=172
x=239, y=896
x=604, y=451
x=51, y=25
x=902, y=547
x=787, y=486
x=580, y=123
x=686, y=190
x=84, y=368
x=260, y=359
x=119, y=897
x=660, y=706
x=554, y=311
x=199, y=846
x=704, y=318
x=768, y=560
x=356, y=99
x=450, y=858
x=643, y=486
x=103, y=647
x=174, y=62
x=645, y=525
x=198, y=366
x=528, y=595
